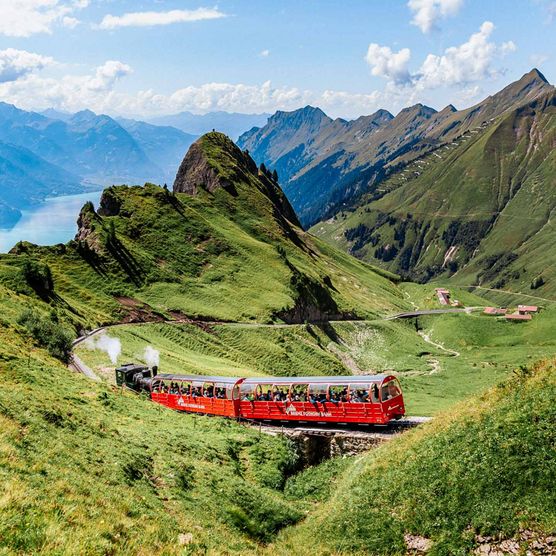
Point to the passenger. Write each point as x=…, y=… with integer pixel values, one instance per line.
x=344, y=396
x=356, y=396
x=374, y=393
x=393, y=390
x=334, y=398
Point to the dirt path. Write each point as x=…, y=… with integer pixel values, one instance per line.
x=426, y=337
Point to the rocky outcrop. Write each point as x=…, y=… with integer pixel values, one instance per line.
x=195, y=172
x=215, y=162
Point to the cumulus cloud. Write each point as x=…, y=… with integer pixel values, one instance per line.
x=426, y=13
x=18, y=63
x=471, y=61
x=148, y=19
x=388, y=64
x=23, y=18
x=69, y=93
x=264, y=53
x=70, y=22
x=98, y=92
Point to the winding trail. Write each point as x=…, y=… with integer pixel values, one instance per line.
x=426, y=337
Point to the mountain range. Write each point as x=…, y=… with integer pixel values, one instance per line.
x=59, y=154
x=326, y=164
x=479, y=209
x=232, y=124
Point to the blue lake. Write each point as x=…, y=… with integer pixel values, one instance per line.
x=55, y=221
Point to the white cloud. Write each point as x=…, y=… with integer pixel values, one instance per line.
x=463, y=65
x=469, y=62
x=71, y=92
x=23, y=18
x=426, y=13
x=17, y=63
x=70, y=22
x=147, y=19
x=386, y=63
x=264, y=53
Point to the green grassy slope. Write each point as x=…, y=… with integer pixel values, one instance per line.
x=87, y=469
x=479, y=209
x=485, y=468
x=222, y=254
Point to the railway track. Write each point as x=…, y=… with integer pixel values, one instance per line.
x=392, y=428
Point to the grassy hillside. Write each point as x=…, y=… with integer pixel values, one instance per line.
x=227, y=254
x=486, y=468
x=478, y=210
x=87, y=469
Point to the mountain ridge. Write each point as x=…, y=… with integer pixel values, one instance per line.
x=338, y=167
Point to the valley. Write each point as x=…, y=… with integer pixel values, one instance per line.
x=216, y=276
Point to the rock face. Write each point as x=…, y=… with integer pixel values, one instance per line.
x=215, y=162
x=196, y=172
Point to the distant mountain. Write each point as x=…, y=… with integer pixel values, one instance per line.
x=330, y=163
x=232, y=124
x=55, y=153
x=479, y=209
x=163, y=145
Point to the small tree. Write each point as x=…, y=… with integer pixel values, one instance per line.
x=275, y=176
x=39, y=277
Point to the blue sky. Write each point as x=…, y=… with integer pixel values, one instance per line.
x=143, y=58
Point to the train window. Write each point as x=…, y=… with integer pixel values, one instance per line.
x=318, y=393
x=220, y=391
x=208, y=390
x=375, y=395
x=185, y=388
x=359, y=393
x=339, y=393
x=156, y=386
x=247, y=392
x=299, y=392
x=264, y=392
x=280, y=392
x=390, y=390
x=196, y=389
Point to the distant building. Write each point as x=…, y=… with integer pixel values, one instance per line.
x=443, y=296
x=518, y=316
x=495, y=311
x=526, y=309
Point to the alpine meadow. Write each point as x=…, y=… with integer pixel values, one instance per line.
x=310, y=306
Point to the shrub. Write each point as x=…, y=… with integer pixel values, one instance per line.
x=39, y=277
x=48, y=332
x=537, y=282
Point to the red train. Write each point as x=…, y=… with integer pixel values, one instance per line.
x=371, y=399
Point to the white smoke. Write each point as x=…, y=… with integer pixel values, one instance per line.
x=151, y=356
x=104, y=342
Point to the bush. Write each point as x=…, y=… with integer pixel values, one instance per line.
x=39, y=277
x=48, y=332
x=537, y=282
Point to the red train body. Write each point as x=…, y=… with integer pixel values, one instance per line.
x=374, y=399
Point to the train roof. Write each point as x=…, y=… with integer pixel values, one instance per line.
x=352, y=379
x=199, y=378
